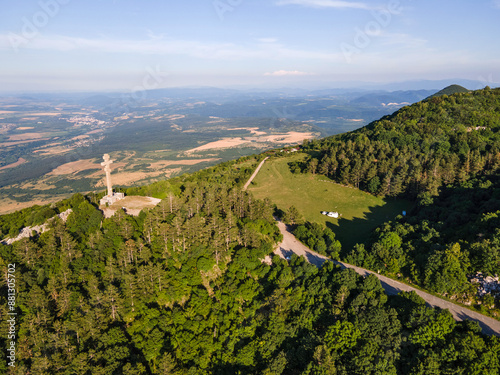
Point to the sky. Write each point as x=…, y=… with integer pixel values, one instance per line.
x=127, y=45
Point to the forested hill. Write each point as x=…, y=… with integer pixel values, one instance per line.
x=419, y=148
x=450, y=90
x=444, y=153
x=184, y=289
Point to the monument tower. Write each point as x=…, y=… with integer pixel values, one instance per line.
x=111, y=197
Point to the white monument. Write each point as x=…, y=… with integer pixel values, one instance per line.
x=111, y=197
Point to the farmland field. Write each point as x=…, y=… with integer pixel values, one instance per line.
x=47, y=156
x=310, y=194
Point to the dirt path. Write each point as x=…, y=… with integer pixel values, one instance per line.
x=291, y=245
x=254, y=174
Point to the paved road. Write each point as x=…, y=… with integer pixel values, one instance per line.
x=254, y=174
x=291, y=245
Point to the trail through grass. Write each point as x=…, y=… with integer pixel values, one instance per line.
x=310, y=194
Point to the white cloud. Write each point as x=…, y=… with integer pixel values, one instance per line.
x=282, y=73
x=326, y=4
x=267, y=48
x=267, y=40
x=153, y=36
x=405, y=40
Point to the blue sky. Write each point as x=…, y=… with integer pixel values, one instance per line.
x=128, y=44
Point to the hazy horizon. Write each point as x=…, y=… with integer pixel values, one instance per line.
x=64, y=45
x=344, y=87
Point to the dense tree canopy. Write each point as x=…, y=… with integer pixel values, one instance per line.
x=184, y=288
x=413, y=152
x=444, y=153
x=440, y=244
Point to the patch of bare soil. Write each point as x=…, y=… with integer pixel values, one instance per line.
x=133, y=205
x=8, y=205
x=6, y=144
x=175, y=117
x=38, y=185
x=129, y=155
x=52, y=144
x=26, y=136
x=54, y=150
x=217, y=120
x=290, y=137
x=255, y=131
x=95, y=131
x=18, y=162
x=130, y=178
x=45, y=114
x=74, y=167
x=223, y=143
x=79, y=137
x=166, y=163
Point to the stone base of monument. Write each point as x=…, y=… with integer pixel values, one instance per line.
x=132, y=205
x=109, y=200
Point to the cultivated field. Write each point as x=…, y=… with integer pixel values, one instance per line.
x=361, y=212
x=46, y=154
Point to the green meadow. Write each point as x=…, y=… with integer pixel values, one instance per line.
x=360, y=212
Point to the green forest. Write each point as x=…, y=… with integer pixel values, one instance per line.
x=184, y=289
x=418, y=149
x=444, y=153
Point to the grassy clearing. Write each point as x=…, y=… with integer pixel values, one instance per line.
x=361, y=212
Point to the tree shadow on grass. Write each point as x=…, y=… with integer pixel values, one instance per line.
x=488, y=326
x=359, y=229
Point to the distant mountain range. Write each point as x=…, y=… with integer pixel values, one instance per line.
x=395, y=98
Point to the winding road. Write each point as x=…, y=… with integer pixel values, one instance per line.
x=291, y=245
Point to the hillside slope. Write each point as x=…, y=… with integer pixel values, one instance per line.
x=418, y=148
x=444, y=153
x=450, y=90
x=182, y=289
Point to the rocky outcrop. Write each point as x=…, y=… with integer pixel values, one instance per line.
x=487, y=284
x=27, y=232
